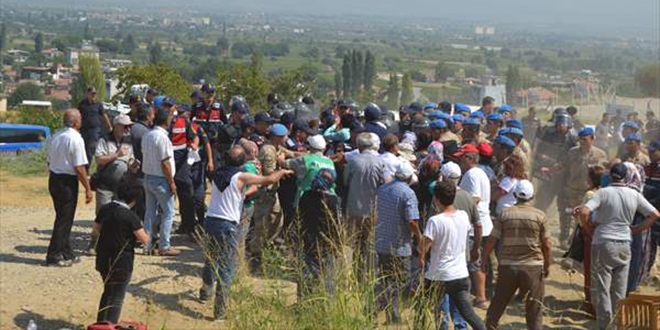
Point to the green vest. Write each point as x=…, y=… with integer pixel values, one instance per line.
x=313, y=164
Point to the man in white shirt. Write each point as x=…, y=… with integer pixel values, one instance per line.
x=159, y=187
x=66, y=162
x=222, y=225
x=476, y=183
x=445, y=236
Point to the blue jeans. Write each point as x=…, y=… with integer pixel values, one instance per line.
x=158, y=197
x=219, y=271
x=449, y=313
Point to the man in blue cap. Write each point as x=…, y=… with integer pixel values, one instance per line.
x=516, y=135
x=503, y=148
x=633, y=150
x=576, y=165
x=487, y=106
x=471, y=131
x=523, y=144
x=447, y=134
x=458, y=124
x=551, y=144
x=494, y=122
x=463, y=109
x=267, y=219
x=505, y=110
x=627, y=128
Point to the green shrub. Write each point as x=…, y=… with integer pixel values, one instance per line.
x=44, y=117
x=31, y=163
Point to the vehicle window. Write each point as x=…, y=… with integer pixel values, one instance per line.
x=12, y=135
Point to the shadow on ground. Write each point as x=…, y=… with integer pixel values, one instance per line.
x=21, y=321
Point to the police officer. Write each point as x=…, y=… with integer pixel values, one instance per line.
x=551, y=144
x=93, y=118
x=185, y=143
x=209, y=113
x=633, y=152
x=262, y=122
x=231, y=131
x=576, y=165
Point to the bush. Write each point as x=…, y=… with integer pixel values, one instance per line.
x=31, y=163
x=34, y=116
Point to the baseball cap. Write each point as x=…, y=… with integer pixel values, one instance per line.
x=430, y=105
x=301, y=125
x=317, y=142
x=435, y=114
x=438, y=124
x=505, y=141
x=287, y=118
x=262, y=117
x=524, y=190
x=404, y=171
x=472, y=121
x=466, y=149
x=477, y=114
x=633, y=137
x=208, y=88
x=159, y=100
x=169, y=101
x=495, y=116
x=511, y=130
x=485, y=149
x=122, y=119
x=631, y=124
x=514, y=122
x=414, y=107
x=618, y=171
x=504, y=108
x=450, y=170
x=587, y=131
x=460, y=107
x=458, y=117
x=278, y=130
x=247, y=122
x=654, y=146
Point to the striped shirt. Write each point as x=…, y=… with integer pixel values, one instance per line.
x=521, y=230
x=397, y=206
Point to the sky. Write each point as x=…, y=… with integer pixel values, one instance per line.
x=627, y=17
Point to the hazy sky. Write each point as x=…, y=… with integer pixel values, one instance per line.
x=628, y=16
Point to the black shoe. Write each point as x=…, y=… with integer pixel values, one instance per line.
x=75, y=260
x=59, y=263
x=204, y=295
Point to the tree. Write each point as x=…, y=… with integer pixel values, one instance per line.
x=338, y=83
x=129, y=44
x=346, y=75
x=393, y=91
x=407, y=93
x=443, y=71
x=246, y=80
x=155, y=53
x=3, y=36
x=25, y=91
x=222, y=44
x=647, y=80
x=159, y=76
x=513, y=82
x=39, y=42
x=369, y=71
x=90, y=75
x=357, y=72
x=293, y=84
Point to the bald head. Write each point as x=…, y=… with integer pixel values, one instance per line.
x=72, y=118
x=236, y=156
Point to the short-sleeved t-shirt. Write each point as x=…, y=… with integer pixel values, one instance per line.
x=91, y=113
x=156, y=147
x=116, y=244
x=521, y=230
x=616, y=206
x=464, y=202
x=449, y=233
x=475, y=182
x=507, y=185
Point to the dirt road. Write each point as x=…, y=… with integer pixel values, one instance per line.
x=162, y=290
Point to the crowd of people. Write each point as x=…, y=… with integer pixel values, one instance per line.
x=437, y=199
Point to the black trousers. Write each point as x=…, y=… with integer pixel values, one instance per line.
x=198, y=173
x=185, y=193
x=63, y=190
x=114, y=291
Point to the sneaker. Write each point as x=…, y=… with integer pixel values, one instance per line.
x=59, y=263
x=169, y=252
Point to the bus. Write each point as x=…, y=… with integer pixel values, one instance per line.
x=19, y=138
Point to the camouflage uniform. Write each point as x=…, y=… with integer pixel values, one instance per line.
x=640, y=159
x=576, y=166
x=551, y=145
